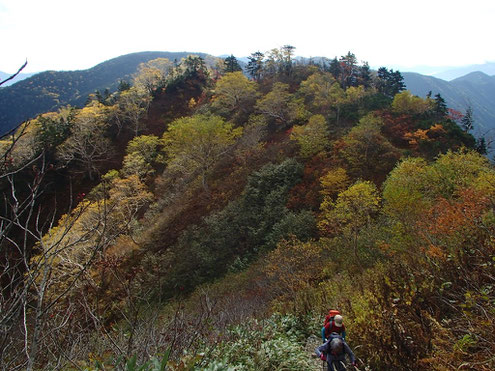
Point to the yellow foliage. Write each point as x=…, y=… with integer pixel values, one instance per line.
x=334, y=182
x=234, y=92
x=312, y=137
x=352, y=209
x=407, y=103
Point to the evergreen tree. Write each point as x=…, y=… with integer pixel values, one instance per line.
x=348, y=69
x=255, y=65
x=123, y=86
x=364, y=75
x=481, y=146
x=467, y=120
x=287, y=51
x=334, y=68
x=231, y=64
x=390, y=82
x=440, y=107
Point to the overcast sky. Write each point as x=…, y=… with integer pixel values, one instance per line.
x=69, y=34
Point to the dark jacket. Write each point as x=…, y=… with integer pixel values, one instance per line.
x=325, y=349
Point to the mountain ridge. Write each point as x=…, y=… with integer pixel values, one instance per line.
x=50, y=90
x=475, y=89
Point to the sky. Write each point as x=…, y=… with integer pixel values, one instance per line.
x=72, y=34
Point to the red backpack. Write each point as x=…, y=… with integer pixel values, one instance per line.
x=332, y=313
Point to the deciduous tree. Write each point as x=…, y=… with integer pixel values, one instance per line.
x=152, y=74
x=280, y=106
x=195, y=144
x=354, y=209
x=87, y=148
x=311, y=137
x=234, y=94
x=367, y=153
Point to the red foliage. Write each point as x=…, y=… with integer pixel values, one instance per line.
x=307, y=193
x=396, y=127
x=455, y=115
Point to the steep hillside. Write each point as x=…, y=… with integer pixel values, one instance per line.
x=203, y=220
x=47, y=91
x=475, y=89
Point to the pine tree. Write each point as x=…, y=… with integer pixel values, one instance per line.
x=335, y=68
x=467, y=120
x=231, y=64
x=440, y=107
x=364, y=75
x=348, y=67
x=255, y=65
x=481, y=146
x=390, y=82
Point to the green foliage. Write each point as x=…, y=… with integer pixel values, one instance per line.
x=302, y=225
x=147, y=146
x=405, y=102
x=404, y=191
x=195, y=144
x=270, y=344
x=231, y=64
x=280, y=106
x=54, y=129
x=389, y=83
x=132, y=364
x=311, y=137
x=242, y=229
x=321, y=92
x=255, y=65
x=424, y=288
x=366, y=151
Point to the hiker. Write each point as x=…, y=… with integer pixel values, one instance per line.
x=334, y=351
x=334, y=324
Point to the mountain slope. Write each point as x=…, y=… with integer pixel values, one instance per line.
x=49, y=90
x=475, y=89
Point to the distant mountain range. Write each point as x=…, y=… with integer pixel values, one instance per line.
x=453, y=73
x=47, y=91
x=476, y=89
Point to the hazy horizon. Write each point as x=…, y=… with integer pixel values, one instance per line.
x=61, y=35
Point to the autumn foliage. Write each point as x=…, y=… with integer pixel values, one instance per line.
x=212, y=212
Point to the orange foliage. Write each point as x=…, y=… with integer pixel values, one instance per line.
x=453, y=223
x=417, y=136
x=451, y=217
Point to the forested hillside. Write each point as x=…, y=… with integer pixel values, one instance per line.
x=474, y=91
x=206, y=218
x=50, y=90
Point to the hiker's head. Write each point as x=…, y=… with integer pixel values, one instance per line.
x=338, y=320
x=336, y=346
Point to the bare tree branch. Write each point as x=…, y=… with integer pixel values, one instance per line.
x=15, y=74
